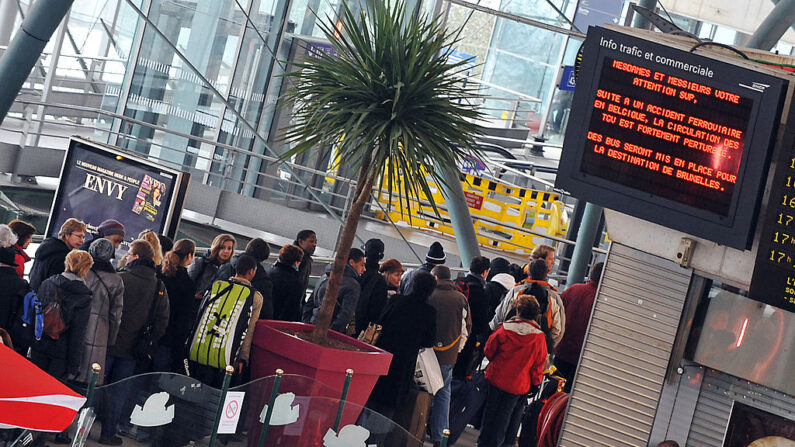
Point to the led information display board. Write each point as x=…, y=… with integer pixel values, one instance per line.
x=669, y=136
x=773, y=281
x=99, y=183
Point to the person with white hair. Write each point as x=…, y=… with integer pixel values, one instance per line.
x=7, y=236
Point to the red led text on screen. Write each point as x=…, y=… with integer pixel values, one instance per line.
x=669, y=136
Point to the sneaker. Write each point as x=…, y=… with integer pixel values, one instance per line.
x=111, y=441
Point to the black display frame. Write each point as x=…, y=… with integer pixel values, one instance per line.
x=737, y=228
x=175, y=196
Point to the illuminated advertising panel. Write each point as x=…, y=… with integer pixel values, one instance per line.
x=99, y=183
x=669, y=136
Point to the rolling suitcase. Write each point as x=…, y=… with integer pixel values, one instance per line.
x=466, y=403
x=413, y=414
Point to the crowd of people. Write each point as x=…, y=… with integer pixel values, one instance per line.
x=141, y=312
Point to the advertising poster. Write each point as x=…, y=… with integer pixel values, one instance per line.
x=98, y=183
x=752, y=427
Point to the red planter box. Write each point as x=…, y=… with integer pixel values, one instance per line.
x=274, y=349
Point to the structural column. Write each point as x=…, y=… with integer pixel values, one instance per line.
x=464, y=230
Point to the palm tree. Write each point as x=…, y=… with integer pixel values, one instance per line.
x=392, y=104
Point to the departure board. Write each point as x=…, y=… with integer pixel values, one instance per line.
x=773, y=280
x=669, y=136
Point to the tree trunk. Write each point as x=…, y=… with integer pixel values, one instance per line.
x=364, y=187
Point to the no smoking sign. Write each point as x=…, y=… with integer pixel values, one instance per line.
x=231, y=413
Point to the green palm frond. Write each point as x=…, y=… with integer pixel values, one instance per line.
x=390, y=97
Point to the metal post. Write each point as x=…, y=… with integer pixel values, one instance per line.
x=348, y=375
x=460, y=218
x=774, y=26
x=640, y=21
x=586, y=237
x=227, y=378
x=26, y=47
x=445, y=435
x=92, y=383
x=267, y=422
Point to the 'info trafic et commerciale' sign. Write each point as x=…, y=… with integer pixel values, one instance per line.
x=672, y=137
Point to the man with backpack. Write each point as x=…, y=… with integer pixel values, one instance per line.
x=258, y=249
x=473, y=286
x=225, y=329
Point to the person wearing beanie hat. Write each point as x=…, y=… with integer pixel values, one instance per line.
x=109, y=229
x=498, y=265
x=107, y=295
x=435, y=254
x=434, y=257
x=372, y=298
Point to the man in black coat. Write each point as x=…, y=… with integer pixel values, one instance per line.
x=259, y=250
x=288, y=290
x=52, y=252
x=479, y=306
x=307, y=241
x=372, y=299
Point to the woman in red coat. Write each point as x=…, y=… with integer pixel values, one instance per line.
x=517, y=354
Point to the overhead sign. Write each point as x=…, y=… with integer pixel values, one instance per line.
x=597, y=13
x=669, y=136
x=99, y=183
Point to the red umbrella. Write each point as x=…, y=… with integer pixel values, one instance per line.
x=32, y=399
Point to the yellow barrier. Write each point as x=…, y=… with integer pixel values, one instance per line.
x=539, y=211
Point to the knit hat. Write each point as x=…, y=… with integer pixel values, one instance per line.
x=391, y=265
x=435, y=254
x=374, y=248
x=110, y=227
x=101, y=249
x=499, y=265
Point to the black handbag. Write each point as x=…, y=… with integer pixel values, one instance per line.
x=143, y=349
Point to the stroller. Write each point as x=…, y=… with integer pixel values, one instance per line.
x=543, y=416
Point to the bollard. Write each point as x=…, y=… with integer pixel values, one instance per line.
x=227, y=378
x=267, y=422
x=92, y=383
x=445, y=435
x=348, y=375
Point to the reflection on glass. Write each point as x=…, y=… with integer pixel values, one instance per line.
x=745, y=338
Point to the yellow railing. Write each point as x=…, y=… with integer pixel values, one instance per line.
x=500, y=212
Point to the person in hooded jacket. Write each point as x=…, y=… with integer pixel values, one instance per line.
x=205, y=266
x=24, y=232
x=61, y=357
x=107, y=300
x=52, y=252
x=496, y=289
x=182, y=304
x=517, y=354
x=374, y=289
x=258, y=249
x=343, y=318
x=288, y=289
x=13, y=290
x=409, y=323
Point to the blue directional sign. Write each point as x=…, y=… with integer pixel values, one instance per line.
x=567, y=81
